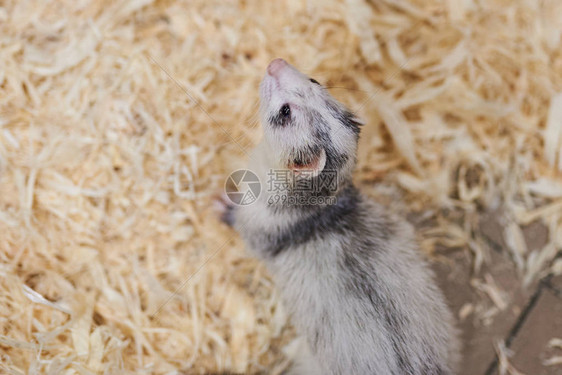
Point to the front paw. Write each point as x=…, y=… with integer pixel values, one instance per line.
x=225, y=209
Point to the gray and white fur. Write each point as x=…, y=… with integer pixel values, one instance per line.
x=349, y=273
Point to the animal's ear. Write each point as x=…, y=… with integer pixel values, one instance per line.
x=310, y=168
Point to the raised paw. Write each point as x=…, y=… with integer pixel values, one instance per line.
x=224, y=208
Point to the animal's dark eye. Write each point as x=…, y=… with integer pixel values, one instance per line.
x=285, y=111
x=314, y=81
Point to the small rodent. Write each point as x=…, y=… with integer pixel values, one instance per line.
x=349, y=273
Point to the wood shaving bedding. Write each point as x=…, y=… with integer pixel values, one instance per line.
x=111, y=258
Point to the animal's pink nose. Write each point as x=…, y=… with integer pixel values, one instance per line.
x=276, y=66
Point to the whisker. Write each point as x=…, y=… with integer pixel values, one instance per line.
x=347, y=88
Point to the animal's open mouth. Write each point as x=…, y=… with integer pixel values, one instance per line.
x=309, y=161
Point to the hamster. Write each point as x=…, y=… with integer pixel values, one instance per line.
x=350, y=274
